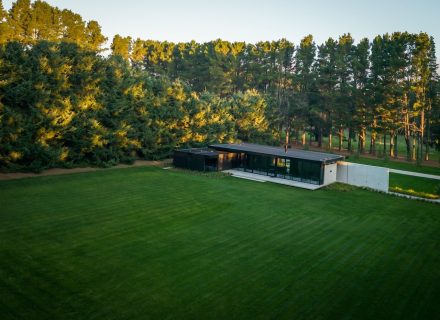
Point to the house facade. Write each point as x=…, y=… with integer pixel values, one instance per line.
x=292, y=164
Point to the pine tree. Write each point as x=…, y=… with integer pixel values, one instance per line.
x=360, y=108
x=5, y=30
x=304, y=77
x=422, y=72
x=95, y=39
x=45, y=22
x=326, y=84
x=344, y=68
x=19, y=20
x=432, y=95
x=138, y=52
x=73, y=28
x=121, y=46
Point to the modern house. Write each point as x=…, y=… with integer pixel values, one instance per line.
x=310, y=167
x=200, y=159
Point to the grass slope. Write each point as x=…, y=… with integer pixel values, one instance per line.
x=407, y=166
x=418, y=184
x=150, y=243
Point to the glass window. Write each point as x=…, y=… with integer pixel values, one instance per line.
x=287, y=166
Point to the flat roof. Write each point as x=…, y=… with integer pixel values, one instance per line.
x=200, y=151
x=278, y=151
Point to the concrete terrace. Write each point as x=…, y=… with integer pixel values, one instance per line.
x=261, y=178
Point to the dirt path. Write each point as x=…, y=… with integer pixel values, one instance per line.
x=58, y=171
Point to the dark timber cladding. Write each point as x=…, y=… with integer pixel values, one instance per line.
x=201, y=159
x=293, y=164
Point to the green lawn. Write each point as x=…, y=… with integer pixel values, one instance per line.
x=147, y=243
x=417, y=184
x=401, y=144
x=407, y=166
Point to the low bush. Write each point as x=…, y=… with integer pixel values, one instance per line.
x=414, y=193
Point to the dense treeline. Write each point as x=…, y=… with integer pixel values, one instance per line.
x=29, y=23
x=385, y=87
x=62, y=103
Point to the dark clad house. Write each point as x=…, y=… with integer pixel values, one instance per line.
x=201, y=159
x=294, y=164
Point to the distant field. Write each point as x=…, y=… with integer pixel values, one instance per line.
x=145, y=243
x=401, y=145
x=407, y=166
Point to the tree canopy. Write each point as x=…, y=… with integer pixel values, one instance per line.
x=63, y=103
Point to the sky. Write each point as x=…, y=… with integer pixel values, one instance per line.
x=252, y=21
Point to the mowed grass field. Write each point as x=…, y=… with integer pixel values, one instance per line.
x=418, y=184
x=148, y=243
x=405, y=166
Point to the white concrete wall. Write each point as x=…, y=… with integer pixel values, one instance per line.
x=363, y=175
x=330, y=173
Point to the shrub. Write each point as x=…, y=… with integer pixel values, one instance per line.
x=414, y=193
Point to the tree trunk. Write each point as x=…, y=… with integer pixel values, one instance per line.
x=395, y=146
x=341, y=134
x=286, y=143
x=384, y=143
x=349, y=139
x=407, y=135
x=413, y=156
x=373, y=138
x=303, y=138
x=420, y=155
x=320, y=138
x=392, y=143
x=330, y=140
x=362, y=138
x=360, y=142
x=373, y=142
x=406, y=127
x=428, y=137
x=422, y=132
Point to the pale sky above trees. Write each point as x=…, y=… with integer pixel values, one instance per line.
x=255, y=20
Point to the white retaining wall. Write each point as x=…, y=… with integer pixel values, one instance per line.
x=362, y=175
x=330, y=173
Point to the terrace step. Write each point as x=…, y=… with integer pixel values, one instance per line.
x=260, y=178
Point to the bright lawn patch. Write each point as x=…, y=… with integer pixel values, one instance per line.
x=150, y=243
x=407, y=166
x=416, y=186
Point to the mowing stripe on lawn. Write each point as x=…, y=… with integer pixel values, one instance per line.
x=146, y=242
